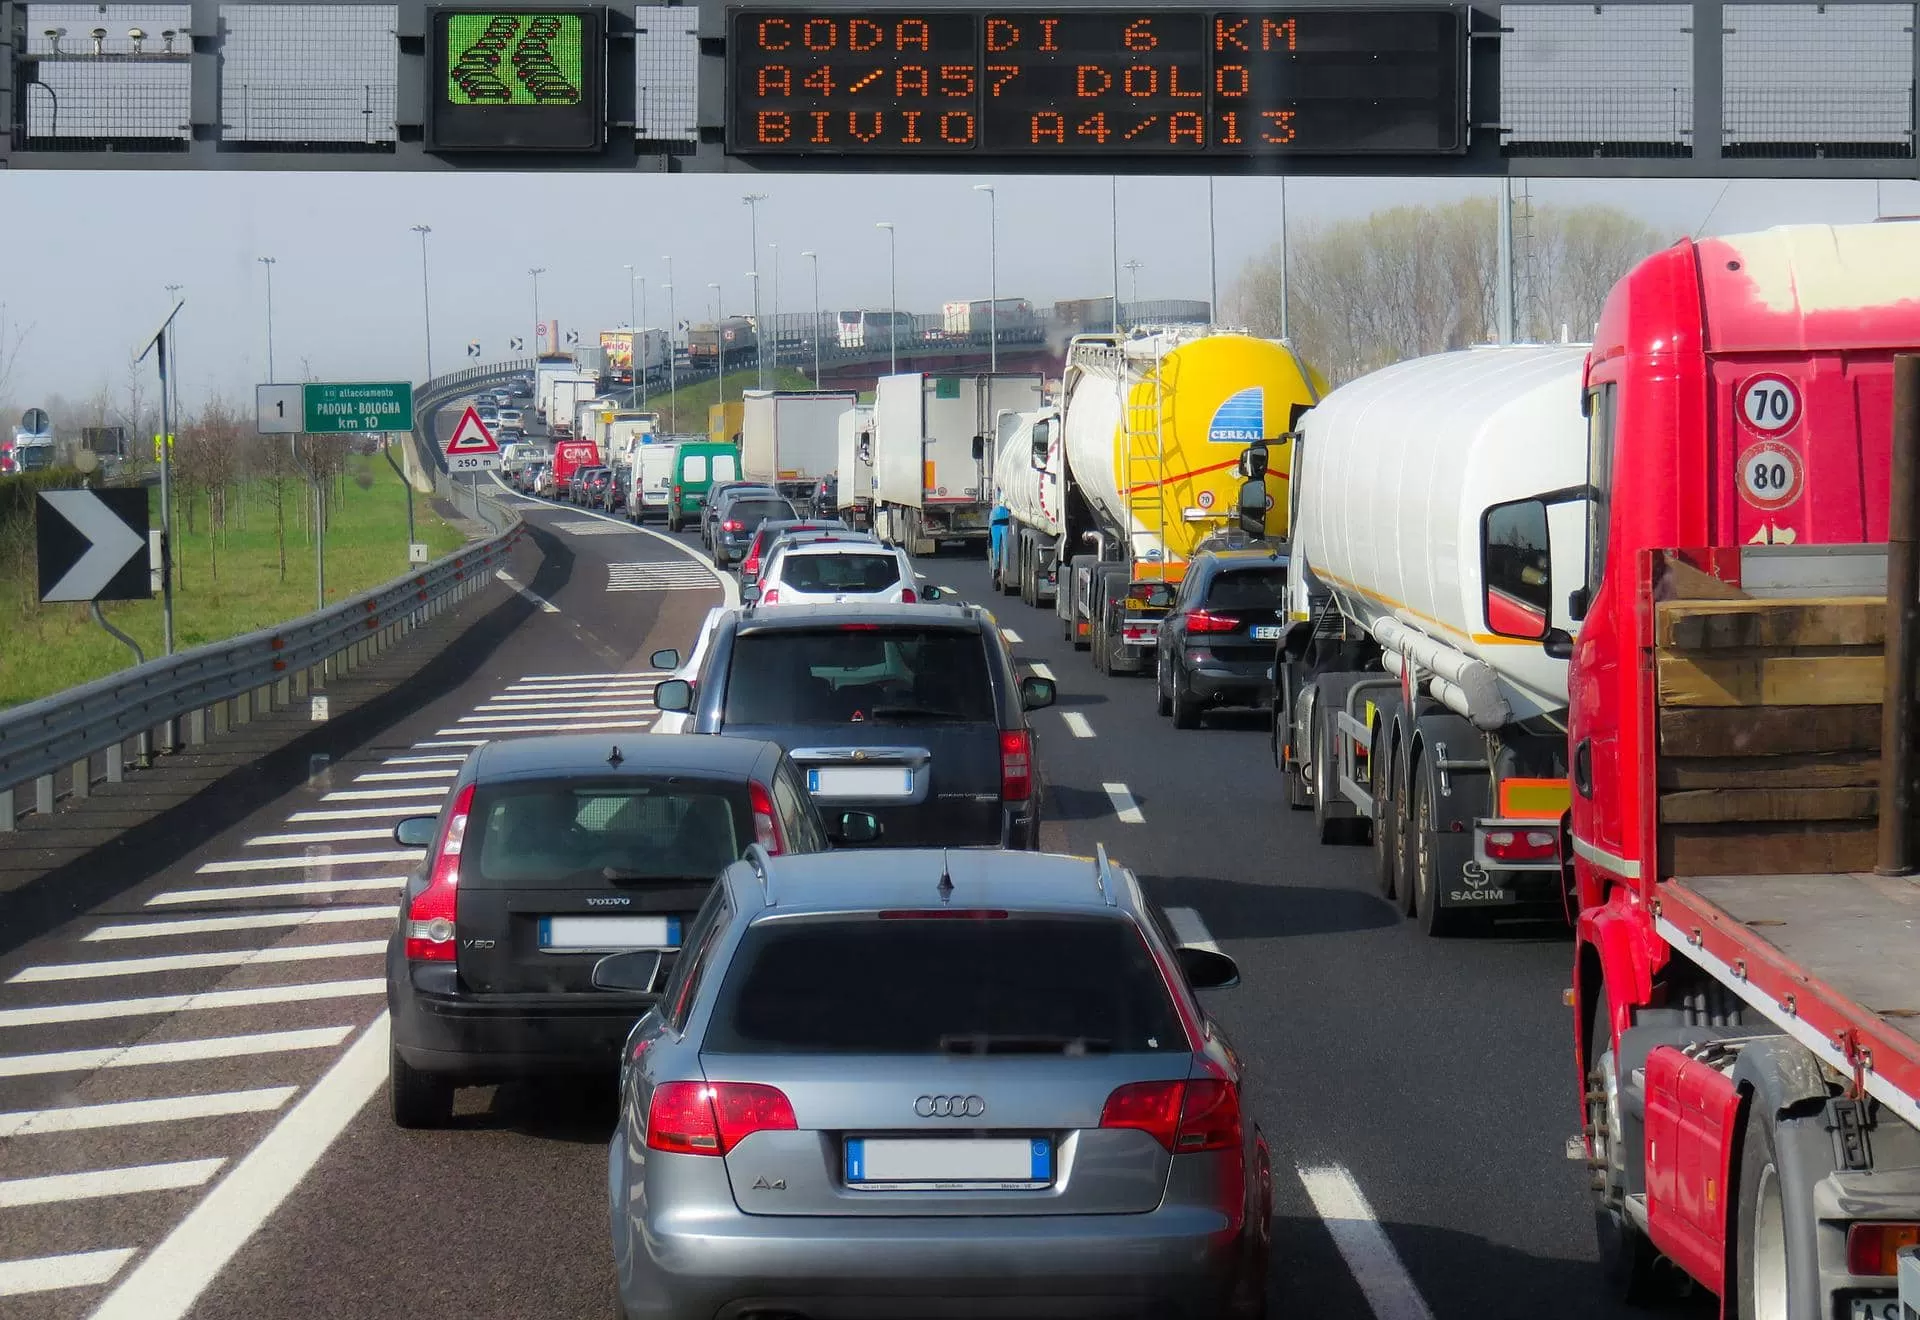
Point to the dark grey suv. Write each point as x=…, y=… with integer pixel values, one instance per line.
x=910, y=712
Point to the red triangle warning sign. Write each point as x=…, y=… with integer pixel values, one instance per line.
x=472, y=437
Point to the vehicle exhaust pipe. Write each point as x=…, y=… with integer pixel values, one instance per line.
x=1899, y=851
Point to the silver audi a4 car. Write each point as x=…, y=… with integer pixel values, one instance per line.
x=919, y=1083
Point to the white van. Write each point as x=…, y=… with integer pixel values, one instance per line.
x=653, y=480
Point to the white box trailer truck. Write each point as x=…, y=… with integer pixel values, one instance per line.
x=934, y=452
x=791, y=440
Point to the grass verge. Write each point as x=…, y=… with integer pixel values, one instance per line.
x=225, y=584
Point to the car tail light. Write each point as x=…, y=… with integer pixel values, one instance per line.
x=733, y=525
x=700, y=1118
x=907, y=597
x=750, y=566
x=430, y=917
x=1201, y=621
x=1872, y=1248
x=1522, y=845
x=1016, y=765
x=766, y=822
x=1185, y=1117
x=771, y=596
x=1152, y=1107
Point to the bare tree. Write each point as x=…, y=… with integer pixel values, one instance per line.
x=1414, y=280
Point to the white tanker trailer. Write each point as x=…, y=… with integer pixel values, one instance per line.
x=1400, y=716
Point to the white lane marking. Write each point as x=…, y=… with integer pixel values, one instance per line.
x=921, y=576
x=593, y=727
x=546, y=606
x=166, y=1284
x=155, y=1005
x=314, y=836
x=623, y=676
x=1191, y=929
x=1040, y=669
x=91, y=1186
x=455, y=742
x=1011, y=635
x=326, y=916
x=615, y=710
x=1363, y=1244
x=173, y=1051
x=1077, y=724
x=422, y=760
x=728, y=587
x=317, y=859
x=532, y=704
x=1123, y=804
x=408, y=776
x=128, y=1113
x=289, y=890
x=190, y=962
x=79, y=1269
x=951, y=591
x=361, y=813
x=377, y=794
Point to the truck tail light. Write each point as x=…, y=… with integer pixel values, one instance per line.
x=700, y=1118
x=1185, y=1117
x=1016, y=765
x=766, y=821
x=430, y=917
x=1202, y=622
x=1522, y=845
x=1872, y=1248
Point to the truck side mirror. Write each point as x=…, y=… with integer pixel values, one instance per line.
x=979, y=447
x=1254, y=505
x=1254, y=464
x=1516, y=570
x=1042, y=440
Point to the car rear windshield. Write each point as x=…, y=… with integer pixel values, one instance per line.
x=1248, y=589
x=843, y=675
x=870, y=985
x=570, y=835
x=755, y=512
x=839, y=572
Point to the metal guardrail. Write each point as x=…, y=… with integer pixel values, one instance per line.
x=182, y=700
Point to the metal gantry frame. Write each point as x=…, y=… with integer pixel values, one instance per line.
x=1705, y=154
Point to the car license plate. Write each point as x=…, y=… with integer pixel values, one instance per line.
x=1265, y=632
x=608, y=934
x=861, y=781
x=1875, y=1308
x=932, y=1164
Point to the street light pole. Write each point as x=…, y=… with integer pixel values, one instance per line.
x=1133, y=273
x=268, y=263
x=536, y=272
x=719, y=346
x=1213, y=260
x=993, y=275
x=673, y=364
x=752, y=201
x=426, y=296
x=774, y=320
x=638, y=370
x=814, y=257
x=893, y=303
x=633, y=335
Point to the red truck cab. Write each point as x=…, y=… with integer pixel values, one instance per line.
x=1739, y=397
x=569, y=456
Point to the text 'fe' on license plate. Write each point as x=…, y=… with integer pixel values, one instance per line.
x=922, y=1164
x=608, y=934
x=1265, y=632
x=860, y=781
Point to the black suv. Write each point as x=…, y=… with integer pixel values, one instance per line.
x=1216, y=643
x=737, y=517
x=910, y=712
x=548, y=854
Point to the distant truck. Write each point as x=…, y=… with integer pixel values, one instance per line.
x=933, y=454
x=853, y=468
x=549, y=368
x=790, y=441
x=569, y=456
x=724, y=421
x=729, y=344
x=566, y=391
x=617, y=354
x=1010, y=320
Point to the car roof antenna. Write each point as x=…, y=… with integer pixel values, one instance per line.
x=615, y=759
x=946, y=879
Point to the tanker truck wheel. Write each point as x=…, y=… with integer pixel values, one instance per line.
x=1326, y=789
x=1386, y=874
x=1437, y=921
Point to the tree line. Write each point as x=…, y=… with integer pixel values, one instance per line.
x=1413, y=280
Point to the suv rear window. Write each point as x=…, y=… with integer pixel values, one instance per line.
x=835, y=675
x=872, y=986
x=1248, y=589
x=754, y=512
x=839, y=572
x=571, y=835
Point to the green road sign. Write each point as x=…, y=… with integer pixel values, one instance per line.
x=381, y=406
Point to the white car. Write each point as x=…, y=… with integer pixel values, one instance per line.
x=827, y=572
x=512, y=417
x=676, y=721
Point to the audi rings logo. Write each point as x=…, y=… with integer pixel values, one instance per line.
x=949, y=1106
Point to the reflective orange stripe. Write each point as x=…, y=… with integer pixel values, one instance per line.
x=1546, y=799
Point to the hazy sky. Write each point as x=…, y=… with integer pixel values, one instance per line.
x=87, y=256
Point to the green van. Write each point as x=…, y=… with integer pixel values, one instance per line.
x=695, y=467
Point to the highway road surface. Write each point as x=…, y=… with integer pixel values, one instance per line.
x=192, y=1109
